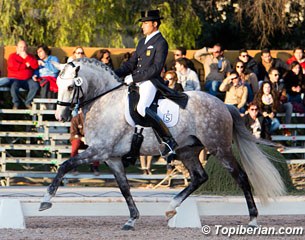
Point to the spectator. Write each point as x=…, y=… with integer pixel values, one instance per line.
x=78, y=52
x=267, y=62
x=126, y=57
x=77, y=139
x=267, y=102
x=248, y=78
x=180, y=52
x=20, y=69
x=187, y=77
x=294, y=81
x=253, y=120
x=298, y=55
x=250, y=63
x=46, y=73
x=171, y=78
x=236, y=91
x=145, y=162
x=279, y=87
x=216, y=67
x=103, y=55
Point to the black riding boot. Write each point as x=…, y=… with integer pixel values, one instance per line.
x=163, y=132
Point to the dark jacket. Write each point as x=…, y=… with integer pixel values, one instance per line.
x=277, y=63
x=147, y=61
x=250, y=66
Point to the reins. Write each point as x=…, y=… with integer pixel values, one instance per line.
x=77, y=92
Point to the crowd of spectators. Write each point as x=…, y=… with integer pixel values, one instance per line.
x=259, y=89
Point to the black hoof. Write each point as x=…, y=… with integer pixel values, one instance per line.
x=127, y=227
x=45, y=206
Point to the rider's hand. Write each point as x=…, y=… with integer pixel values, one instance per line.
x=128, y=79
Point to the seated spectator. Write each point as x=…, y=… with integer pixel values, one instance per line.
x=298, y=55
x=171, y=78
x=248, y=78
x=216, y=67
x=254, y=120
x=180, y=52
x=103, y=55
x=236, y=91
x=77, y=139
x=187, y=77
x=279, y=87
x=20, y=69
x=126, y=57
x=267, y=102
x=46, y=73
x=78, y=52
x=294, y=81
x=249, y=62
x=267, y=62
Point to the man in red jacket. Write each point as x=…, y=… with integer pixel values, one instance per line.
x=20, y=69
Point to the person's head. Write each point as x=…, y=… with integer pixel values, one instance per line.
x=274, y=75
x=79, y=52
x=253, y=110
x=295, y=67
x=266, y=87
x=21, y=46
x=103, y=55
x=171, y=77
x=239, y=67
x=151, y=21
x=181, y=64
x=217, y=50
x=234, y=77
x=298, y=52
x=180, y=52
x=243, y=55
x=266, y=55
x=43, y=51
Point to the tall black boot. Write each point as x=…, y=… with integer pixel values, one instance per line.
x=160, y=128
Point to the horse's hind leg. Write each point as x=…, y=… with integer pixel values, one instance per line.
x=189, y=156
x=230, y=163
x=84, y=157
x=118, y=170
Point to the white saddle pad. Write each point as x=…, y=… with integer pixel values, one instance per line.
x=168, y=111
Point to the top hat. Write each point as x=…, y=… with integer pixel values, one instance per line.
x=150, y=15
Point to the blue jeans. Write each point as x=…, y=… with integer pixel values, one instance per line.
x=275, y=124
x=212, y=87
x=29, y=85
x=6, y=82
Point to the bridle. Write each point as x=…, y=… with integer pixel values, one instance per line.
x=76, y=94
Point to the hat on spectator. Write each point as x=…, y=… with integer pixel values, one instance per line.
x=150, y=15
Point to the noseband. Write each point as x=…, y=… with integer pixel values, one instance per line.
x=76, y=95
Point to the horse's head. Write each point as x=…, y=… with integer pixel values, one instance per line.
x=71, y=88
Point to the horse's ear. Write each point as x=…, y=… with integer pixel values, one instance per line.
x=58, y=65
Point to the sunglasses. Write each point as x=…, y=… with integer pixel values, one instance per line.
x=169, y=79
x=253, y=109
x=244, y=55
x=239, y=66
x=176, y=54
x=79, y=53
x=276, y=75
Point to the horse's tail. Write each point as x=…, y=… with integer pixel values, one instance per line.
x=263, y=176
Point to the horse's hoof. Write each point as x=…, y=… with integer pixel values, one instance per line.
x=127, y=227
x=170, y=214
x=253, y=223
x=45, y=206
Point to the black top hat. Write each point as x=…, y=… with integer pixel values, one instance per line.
x=150, y=15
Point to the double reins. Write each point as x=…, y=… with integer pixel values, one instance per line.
x=78, y=91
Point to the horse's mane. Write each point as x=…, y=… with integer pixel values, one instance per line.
x=92, y=62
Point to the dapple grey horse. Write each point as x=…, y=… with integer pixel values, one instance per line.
x=206, y=121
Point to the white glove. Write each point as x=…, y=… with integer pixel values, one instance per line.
x=128, y=79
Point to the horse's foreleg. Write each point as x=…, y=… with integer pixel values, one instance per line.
x=189, y=156
x=230, y=163
x=62, y=170
x=118, y=170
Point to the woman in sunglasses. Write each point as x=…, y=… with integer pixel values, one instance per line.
x=253, y=120
x=78, y=52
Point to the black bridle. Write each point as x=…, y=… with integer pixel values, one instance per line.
x=76, y=95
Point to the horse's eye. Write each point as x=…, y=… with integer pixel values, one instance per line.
x=70, y=88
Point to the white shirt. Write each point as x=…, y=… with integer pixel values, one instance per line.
x=148, y=37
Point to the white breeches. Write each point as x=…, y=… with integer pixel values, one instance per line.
x=147, y=93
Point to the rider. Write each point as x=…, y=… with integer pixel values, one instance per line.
x=144, y=69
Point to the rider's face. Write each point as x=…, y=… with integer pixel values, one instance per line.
x=149, y=27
